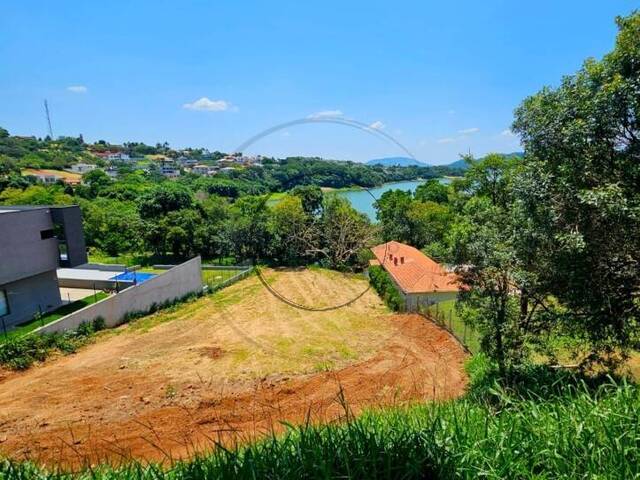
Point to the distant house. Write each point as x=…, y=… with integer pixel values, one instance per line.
x=202, y=169
x=187, y=162
x=113, y=156
x=168, y=168
x=48, y=176
x=82, y=168
x=420, y=280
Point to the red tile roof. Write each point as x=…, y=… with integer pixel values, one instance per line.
x=413, y=271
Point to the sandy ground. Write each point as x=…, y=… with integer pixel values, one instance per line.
x=70, y=295
x=226, y=368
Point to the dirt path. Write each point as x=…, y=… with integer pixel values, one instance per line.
x=159, y=394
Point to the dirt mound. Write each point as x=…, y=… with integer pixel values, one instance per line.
x=163, y=391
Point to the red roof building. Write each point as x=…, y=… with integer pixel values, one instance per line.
x=420, y=279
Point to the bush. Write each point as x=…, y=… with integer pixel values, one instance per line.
x=21, y=353
x=382, y=283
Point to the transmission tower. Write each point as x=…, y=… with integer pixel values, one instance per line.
x=46, y=110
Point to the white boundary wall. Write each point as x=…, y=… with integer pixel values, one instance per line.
x=174, y=284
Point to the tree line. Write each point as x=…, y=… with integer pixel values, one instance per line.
x=548, y=245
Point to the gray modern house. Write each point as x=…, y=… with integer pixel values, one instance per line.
x=34, y=242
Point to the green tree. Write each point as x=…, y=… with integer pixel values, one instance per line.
x=167, y=197
x=289, y=226
x=391, y=211
x=248, y=228
x=311, y=197
x=432, y=191
x=341, y=234
x=581, y=191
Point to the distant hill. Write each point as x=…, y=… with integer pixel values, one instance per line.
x=462, y=165
x=396, y=161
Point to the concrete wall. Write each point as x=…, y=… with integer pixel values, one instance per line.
x=31, y=295
x=94, y=284
x=414, y=301
x=171, y=285
x=70, y=219
x=23, y=252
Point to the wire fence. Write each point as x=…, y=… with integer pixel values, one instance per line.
x=216, y=277
x=445, y=315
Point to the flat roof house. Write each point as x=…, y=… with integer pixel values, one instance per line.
x=34, y=242
x=420, y=280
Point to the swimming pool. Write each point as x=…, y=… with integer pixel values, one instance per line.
x=136, y=277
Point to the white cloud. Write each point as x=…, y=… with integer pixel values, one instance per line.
x=468, y=131
x=206, y=104
x=377, y=125
x=507, y=133
x=77, y=89
x=446, y=140
x=327, y=113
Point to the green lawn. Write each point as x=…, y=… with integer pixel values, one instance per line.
x=65, y=310
x=446, y=313
x=213, y=278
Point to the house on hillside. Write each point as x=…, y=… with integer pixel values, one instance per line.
x=113, y=156
x=168, y=168
x=49, y=177
x=82, y=168
x=201, y=169
x=420, y=280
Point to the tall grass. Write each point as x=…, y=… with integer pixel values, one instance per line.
x=567, y=428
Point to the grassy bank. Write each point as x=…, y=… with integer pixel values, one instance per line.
x=546, y=424
x=25, y=328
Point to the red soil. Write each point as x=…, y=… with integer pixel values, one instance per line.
x=82, y=409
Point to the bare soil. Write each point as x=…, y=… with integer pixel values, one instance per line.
x=226, y=368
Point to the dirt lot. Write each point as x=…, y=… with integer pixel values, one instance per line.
x=228, y=367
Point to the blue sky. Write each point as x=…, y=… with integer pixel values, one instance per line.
x=440, y=77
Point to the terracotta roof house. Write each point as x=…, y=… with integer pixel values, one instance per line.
x=421, y=280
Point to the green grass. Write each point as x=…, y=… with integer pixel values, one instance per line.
x=25, y=328
x=445, y=312
x=213, y=278
x=21, y=352
x=545, y=425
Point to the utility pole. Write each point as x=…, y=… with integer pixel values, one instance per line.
x=46, y=110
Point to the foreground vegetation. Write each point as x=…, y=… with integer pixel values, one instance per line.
x=21, y=352
x=543, y=424
x=40, y=321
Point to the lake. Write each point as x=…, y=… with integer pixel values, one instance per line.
x=362, y=200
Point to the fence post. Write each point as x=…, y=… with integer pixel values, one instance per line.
x=465, y=334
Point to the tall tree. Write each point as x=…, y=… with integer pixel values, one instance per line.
x=581, y=191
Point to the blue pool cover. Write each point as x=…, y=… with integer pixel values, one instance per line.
x=137, y=277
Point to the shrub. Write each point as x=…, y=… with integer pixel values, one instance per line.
x=20, y=353
x=382, y=283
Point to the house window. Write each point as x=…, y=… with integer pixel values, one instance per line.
x=45, y=234
x=4, y=303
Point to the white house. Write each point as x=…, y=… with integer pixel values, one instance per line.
x=118, y=156
x=82, y=168
x=201, y=169
x=420, y=280
x=168, y=168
